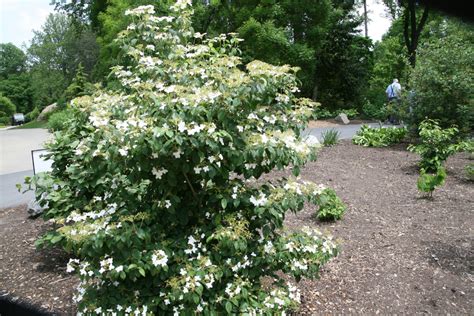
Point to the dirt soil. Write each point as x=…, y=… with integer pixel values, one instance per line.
x=400, y=254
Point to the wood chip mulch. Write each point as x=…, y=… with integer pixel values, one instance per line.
x=400, y=254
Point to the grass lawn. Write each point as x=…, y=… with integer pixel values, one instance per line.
x=33, y=124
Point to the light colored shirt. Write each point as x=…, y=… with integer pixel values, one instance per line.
x=393, y=90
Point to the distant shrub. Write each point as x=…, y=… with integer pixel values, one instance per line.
x=351, y=113
x=322, y=114
x=330, y=137
x=379, y=137
x=331, y=206
x=31, y=116
x=7, y=108
x=58, y=120
x=374, y=111
x=5, y=120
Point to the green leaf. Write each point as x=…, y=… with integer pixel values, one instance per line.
x=56, y=239
x=228, y=307
x=141, y=271
x=224, y=203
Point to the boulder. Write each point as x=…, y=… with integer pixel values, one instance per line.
x=342, y=118
x=312, y=140
x=46, y=110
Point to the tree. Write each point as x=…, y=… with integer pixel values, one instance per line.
x=442, y=79
x=55, y=52
x=343, y=63
x=7, y=108
x=152, y=184
x=14, y=79
x=414, y=20
x=12, y=60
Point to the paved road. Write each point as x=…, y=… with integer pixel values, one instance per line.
x=346, y=131
x=15, y=162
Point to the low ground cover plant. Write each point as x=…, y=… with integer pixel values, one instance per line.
x=153, y=187
x=330, y=137
x=320, y=113
x=379, y=137
x=331, y=206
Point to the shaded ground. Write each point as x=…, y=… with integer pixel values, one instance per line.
x=399, y=253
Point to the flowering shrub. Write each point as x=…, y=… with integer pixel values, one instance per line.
x=379, y=137
x=331, y=206
x=153, y=185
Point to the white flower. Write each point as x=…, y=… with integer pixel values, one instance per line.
x=123, y=151
x=262, y=200
x=159, y=173
x=268, y=248
x=167, y=204
x=119, y=268
x=177, y=154
x=159, y=258
x=181, y=126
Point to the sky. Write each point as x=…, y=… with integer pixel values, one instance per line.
x=18, y=19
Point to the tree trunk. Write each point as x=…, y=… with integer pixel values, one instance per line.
x=412, y=30
x=365, y=19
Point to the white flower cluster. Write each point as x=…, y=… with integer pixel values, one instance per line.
x=259, y=201
x=276, y=299
x=195, y=246
x=233, y=289
x=242, y=265
x=268, y=248
x=107, y=265
x=158, y=173
x=159, y=258
x=78, y=217
x=181, y=5
x=144, y=9
x=299, y=265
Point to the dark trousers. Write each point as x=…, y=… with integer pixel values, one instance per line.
x=395, y=105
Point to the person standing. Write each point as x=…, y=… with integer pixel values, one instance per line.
x=393, y=92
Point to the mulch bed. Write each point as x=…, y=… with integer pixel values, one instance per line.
x=399, y=253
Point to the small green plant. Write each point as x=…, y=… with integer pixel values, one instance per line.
x=57, y=121
x=33, y=115
x=374, y=111
x=330, y=137
x=331, y=206
x=379, y=137
x=436, y=145
x=428, y=182
x=321, y=113
x=351, y=113
x=470, y=171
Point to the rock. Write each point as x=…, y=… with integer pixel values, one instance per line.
x=46, y=110
x=34, y=209
x=342, y=118
x=312, y=140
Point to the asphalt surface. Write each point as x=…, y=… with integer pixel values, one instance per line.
x=16, y=162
